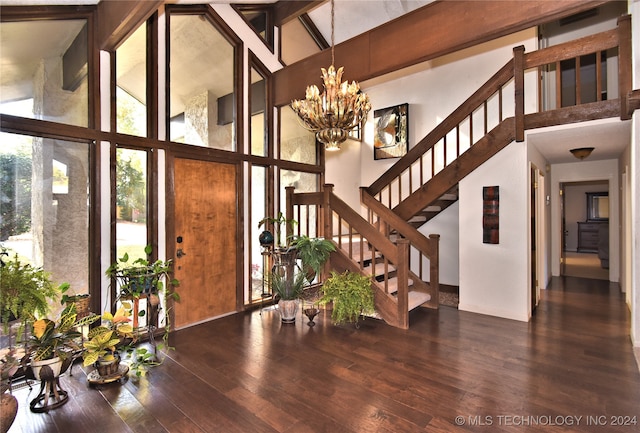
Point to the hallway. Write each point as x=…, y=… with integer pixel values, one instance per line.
x=584, y=265
x=451, y=371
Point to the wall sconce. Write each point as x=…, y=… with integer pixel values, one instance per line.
x=582, y=152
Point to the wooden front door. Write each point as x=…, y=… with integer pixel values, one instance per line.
x=205, y=240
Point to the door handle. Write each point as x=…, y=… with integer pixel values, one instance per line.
x=180, y=253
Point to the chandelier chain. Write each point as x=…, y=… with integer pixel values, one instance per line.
x=333, y=41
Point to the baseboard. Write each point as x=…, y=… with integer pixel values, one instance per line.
x=449, y=288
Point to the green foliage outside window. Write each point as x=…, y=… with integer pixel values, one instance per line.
x=131, y=191
x=15, y=195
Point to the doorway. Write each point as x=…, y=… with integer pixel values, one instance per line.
x=206, y=218
x=538, y=239
x=586, y=247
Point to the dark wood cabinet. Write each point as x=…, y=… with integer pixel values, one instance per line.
x=588, y=237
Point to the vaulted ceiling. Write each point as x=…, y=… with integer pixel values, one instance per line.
x=356, y=18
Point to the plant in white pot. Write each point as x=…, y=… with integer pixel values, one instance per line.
x=53, y=342
x=50, y=351
x=287, y=291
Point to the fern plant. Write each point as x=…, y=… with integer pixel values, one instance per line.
x=313, y=252
x=25, y=292
x=351, y=294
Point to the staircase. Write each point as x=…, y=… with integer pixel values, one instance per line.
x=386, y=244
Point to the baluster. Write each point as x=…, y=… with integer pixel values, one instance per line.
x=500, y=104
x=578, y=92
x=599, y=76
x=457, y=140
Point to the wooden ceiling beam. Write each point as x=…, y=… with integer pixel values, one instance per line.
x=117, y=19
x=439, y=28
x=287, y=10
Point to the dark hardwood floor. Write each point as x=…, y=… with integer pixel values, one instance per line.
x=571, y=368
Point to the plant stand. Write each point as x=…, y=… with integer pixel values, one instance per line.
x=49, y=390
x=94, y=377
x=51, y=395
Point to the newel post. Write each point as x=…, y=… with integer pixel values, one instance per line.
x=403, y=283
x=625, y=71
x=518, y=81
x=434, y=269
x=326, y=205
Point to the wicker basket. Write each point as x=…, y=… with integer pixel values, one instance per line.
x=82, y=305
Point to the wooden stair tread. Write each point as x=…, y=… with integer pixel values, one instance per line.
x=417, y=298
x=392, y=285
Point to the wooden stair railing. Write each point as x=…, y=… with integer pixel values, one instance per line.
x=450, y=151
x=424, y=252
x=363, y=248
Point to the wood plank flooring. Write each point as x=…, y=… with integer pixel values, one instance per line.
x=249, y=373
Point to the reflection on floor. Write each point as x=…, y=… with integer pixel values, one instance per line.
x=584, y=265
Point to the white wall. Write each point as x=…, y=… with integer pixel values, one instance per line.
x=582, y=171
x=446, y=225
x=342, y=169
x=495, y=278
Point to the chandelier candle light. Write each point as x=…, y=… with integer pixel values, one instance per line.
x=338, y=110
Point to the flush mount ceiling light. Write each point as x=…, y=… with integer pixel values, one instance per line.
x=336, y=111
x=582, y=152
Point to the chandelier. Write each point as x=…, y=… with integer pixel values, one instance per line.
x=336, y=111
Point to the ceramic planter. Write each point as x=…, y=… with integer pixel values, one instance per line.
x=52, y=370
x=288, y=310
x=8, y=411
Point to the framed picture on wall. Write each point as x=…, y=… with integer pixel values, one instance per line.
x=391, y=134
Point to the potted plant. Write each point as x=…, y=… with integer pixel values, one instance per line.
x=25, y=292
x=288, y=291
x=82, y=300
x=53, y=342
x=351, y=294
x=144, y=278
x=9, y=365
x=276, y=225
x=101, y=350
x=313, y=253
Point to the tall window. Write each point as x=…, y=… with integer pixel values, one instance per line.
x=258, y=103
x=202, y=85
x=131, y=202
x=131, y=82
x=44, y=182
x=302, y=182
x=296, y=143
x=258, y=210
x=48, y=79
x=44, y=205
